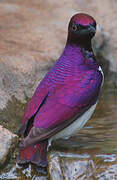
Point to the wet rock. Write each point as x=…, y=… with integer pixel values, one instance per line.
x=6, y=141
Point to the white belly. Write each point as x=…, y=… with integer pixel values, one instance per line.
x=76, y=125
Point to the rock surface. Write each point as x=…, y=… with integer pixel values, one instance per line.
x=33, y=35
x=6, y=140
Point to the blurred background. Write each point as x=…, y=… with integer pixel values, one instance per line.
x=32, y=36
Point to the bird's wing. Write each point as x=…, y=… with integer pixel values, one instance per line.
x=34, y=104
x=63, y=106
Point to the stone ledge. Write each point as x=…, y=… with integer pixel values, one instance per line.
x=7, y=138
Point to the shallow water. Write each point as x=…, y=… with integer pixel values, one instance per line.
x=90, y=154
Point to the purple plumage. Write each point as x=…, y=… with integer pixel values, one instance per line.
x=67, y=94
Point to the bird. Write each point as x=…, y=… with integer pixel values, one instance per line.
x=66, y=97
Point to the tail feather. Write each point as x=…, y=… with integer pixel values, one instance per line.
x=36, y=154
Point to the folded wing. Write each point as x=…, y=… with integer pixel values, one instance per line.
x=63, y=105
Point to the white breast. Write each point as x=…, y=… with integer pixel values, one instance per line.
x=76, y=125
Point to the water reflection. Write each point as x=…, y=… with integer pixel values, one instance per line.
x=90, y=166
x=90, y=154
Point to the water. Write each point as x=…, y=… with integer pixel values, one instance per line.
x=90, y=154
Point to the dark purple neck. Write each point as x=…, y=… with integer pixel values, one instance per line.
x=72, y=55
x=75, y=55
x=81, y=43
x=76, y=51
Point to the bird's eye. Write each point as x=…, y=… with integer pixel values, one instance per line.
x=74, y=27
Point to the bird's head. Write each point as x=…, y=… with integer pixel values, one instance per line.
x=82, y=27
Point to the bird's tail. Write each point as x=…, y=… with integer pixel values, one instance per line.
x=36, y=154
